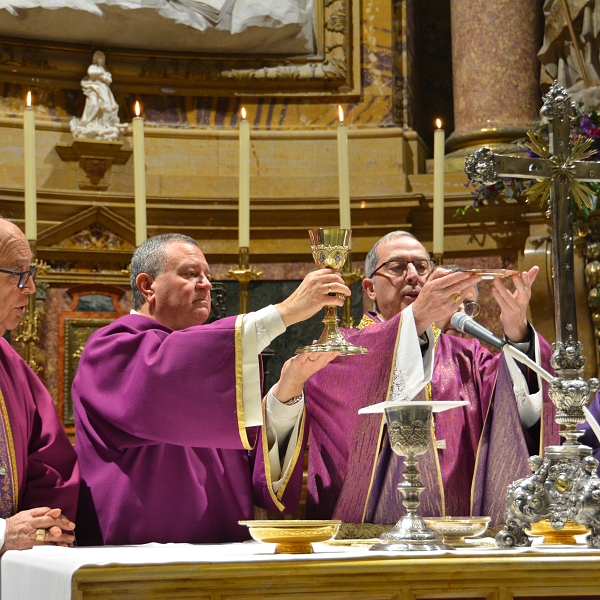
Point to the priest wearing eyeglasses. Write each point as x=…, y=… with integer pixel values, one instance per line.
x=39, y=474
x=477, y=449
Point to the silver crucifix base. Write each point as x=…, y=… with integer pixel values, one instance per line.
x=564, y=484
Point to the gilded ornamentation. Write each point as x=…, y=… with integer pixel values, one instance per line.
x=95, y=237
x=333, y=257
x=557, y=104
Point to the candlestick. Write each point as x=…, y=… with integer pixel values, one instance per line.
x=438, y=189
x=30, y=190
x=244, y=274
x=139, y=176
x=244, y=192
x=343, y=172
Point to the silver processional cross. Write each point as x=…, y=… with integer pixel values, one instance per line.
x=564, y=484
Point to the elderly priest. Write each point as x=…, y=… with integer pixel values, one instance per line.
x=174, y=442
x=38, y=466
x=478, y=449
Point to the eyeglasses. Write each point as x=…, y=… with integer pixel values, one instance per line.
x=22, y=275
x=471, y=308
x=397, y=268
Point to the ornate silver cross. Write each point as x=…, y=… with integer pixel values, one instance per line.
x=564, y=484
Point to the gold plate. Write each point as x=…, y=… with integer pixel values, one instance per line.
x=566, y=535
x=292, y=537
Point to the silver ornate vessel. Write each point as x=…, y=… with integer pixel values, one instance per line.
x=409, y=431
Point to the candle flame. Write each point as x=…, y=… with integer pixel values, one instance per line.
x=438, y=122
x=243, y=112
x=341, y=113
x=28, y=99
x=137, y=108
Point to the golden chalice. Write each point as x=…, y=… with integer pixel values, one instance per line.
x=330, y=249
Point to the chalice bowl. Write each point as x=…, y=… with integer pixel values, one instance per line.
x=330, y=249
x=409, y=432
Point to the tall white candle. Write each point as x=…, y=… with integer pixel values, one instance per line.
x=438, y=189
x=139, y=176
x=244, y=191
x=30, y=171
x=343, y=172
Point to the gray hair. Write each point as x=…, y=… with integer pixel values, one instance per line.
x=151, y=258
x=371, y=259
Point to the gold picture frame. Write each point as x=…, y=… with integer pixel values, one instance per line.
x=334, y=69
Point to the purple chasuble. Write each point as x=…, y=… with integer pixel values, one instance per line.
x=352, y=473
x=164, y=454
x=38, y=450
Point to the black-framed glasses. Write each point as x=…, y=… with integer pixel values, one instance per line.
x=471, y=308
x=22, y=275
x=397, y=267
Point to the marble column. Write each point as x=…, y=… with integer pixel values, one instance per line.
x=495, y=70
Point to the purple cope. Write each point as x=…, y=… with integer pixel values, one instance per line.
x=159, y=437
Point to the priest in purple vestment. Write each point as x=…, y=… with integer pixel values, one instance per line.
x=174, y=441
x=477, y=449
x=39, y=473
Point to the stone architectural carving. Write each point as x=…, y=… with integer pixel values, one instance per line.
x=100, y=119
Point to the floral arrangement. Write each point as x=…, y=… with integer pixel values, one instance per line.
x=585, y=139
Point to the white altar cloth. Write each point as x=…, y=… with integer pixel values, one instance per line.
x=45, y=572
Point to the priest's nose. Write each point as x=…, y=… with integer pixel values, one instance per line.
x=411, y=273
x=204, y=282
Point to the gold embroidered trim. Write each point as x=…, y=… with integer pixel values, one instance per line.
x=366, y=321
x=429, y=397
x=387, y=397
x=265, y=446
x=295, y=456
x=487, y=414
x=239, y=383
x=11, y=452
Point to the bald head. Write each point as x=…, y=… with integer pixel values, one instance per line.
x=15, y=255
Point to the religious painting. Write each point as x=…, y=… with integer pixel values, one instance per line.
x=93, y=306
x=185, y=47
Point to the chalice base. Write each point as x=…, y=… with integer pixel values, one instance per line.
x=331, y=339
x=410, y=533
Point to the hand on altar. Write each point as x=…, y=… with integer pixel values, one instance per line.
x=513, y=305
x=22, y=529
x=312, y=295
x=441, y=296
x=296, y=371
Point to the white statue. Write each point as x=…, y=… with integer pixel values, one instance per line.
x=100, y=119
x=559, y=57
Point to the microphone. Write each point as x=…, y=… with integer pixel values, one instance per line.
x=466, y=324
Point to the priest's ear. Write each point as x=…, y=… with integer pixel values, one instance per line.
x=145, y=284
x=369, y=287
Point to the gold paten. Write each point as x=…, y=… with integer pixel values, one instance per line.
x=564, y=536
x=292, y=537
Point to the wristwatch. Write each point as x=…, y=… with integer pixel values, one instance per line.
x=293, y=400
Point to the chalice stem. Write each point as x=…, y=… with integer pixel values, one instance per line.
x=330, y=332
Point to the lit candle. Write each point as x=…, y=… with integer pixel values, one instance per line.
x=29, y=164
x=244, y=193
x=139, y=176
x=343, y=172
x=438, y=189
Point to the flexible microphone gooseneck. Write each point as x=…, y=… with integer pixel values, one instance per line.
x=466, y=324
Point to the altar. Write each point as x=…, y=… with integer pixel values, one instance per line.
x=251, y=571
